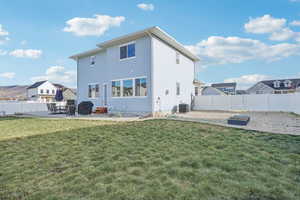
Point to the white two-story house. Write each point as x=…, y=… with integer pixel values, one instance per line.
x=143, y=72
x=42, y=91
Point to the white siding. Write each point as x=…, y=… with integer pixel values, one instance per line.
x=166, y=73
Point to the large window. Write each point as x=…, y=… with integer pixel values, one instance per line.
x=116, y=88
x=127, y=51
x=94, y=91
x=127, y=88
x=41, y=91
x=140, y=87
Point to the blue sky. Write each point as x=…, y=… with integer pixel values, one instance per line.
x=237, y=40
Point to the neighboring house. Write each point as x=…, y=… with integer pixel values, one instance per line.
x=208, y=90
x=283, y=86
x=241, y=92
x=69, y=94
x=198, y=87
x=42, y=91
x=227, y=88
x=143, y=72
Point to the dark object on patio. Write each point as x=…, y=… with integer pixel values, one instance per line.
x=183, y=108
x=59, y=95
x=70, y=102
x=85, y=108
x=52, y=108
x=71, y=109
x=241, y=120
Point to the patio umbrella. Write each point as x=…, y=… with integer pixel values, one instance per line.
x=59, y=95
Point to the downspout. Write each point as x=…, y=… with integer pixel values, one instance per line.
x=151, y=73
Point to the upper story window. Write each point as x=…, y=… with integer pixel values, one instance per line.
x=287, y=83
x=177, y=58
x=92, y=60
x=276, y=84
x=93, y=91
x=53, y=91
x=127, y=51
x=47, y=91
x=41, y=91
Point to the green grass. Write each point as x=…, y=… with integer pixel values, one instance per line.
x=156, y=159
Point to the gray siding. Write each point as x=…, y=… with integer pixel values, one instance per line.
x=108, y=67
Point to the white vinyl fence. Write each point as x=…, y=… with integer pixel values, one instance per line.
x=21, y=107
x=259, y=102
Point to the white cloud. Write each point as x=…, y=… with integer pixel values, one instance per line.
x=276, y=27
x=283, y=34
x=23, y=42
x=3, y=35
x=264, y=24
x=3, y=32
x=294, y=1
x=57, y=74
x=246, y=81
x=92, y=26
x=26, y=53
x=2, y=52
x=9, y=75
x=295, y=23
x=224, y=50
x=146, y=7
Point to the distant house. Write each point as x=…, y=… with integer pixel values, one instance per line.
x=227, y=88
x=209, y=90
x=44, y=91
x=283, y=86
x=198, y=87
x=240, y=92
x=69, y=94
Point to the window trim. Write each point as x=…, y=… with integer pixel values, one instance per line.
x=133, y=84
x=94, y=98
x=126, y=44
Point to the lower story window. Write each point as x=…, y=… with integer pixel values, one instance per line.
x=140, y=87
x=116, y=88
x=127, y=88
x=94, y=91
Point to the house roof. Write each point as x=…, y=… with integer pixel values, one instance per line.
x=36, y=84
x=241, y=92
x=154, y=31
x=216, y=85
x=58, y=85
x=213, y=88
x=294, y=84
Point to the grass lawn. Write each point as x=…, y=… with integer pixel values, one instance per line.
x=149, y=160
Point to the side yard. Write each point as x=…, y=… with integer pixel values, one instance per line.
x=153, y=159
